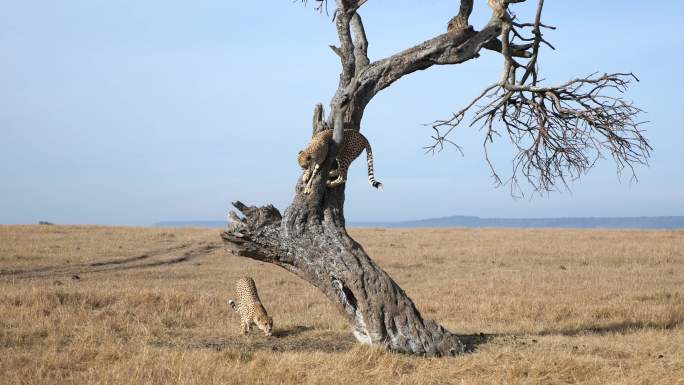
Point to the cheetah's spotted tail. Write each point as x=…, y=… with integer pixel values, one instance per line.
x=371, y=176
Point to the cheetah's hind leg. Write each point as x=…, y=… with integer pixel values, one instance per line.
x=335, y=170
x=334, y=173
x=341, y=172
x=334, y=183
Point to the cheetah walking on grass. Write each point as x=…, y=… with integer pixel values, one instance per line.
x=249, y=307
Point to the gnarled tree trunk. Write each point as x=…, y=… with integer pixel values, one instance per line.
x=310, y=240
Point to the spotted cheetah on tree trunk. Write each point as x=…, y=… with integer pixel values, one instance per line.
x=311, y=158
x=249, y=307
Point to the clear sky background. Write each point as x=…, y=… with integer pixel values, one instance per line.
x=132, y=112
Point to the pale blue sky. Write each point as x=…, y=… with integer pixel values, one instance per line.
x=131, y=112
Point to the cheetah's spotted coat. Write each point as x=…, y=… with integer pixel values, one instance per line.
x=249, y=307
x=311, y=158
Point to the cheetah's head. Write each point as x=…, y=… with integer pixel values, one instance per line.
x=265, y=323
x=304, y=159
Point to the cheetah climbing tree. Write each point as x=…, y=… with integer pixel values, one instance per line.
x=558, y=132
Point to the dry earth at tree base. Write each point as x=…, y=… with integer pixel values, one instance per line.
x=117, y=305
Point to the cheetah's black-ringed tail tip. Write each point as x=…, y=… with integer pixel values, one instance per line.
x=377, y=185
x=232, y=304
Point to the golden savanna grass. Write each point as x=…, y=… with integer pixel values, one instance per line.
x=114, y=305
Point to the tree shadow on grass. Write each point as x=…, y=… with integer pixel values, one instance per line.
x=307, y=339
x=293, y=331
x=295, y=339
x=622, y=327
x=473, y=341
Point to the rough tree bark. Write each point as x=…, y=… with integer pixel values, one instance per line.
x=310, y=239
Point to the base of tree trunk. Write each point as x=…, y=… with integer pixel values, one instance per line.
x=310, y=241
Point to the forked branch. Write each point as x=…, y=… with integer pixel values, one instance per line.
x=558, y=131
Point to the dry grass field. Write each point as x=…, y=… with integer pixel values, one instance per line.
x=115, y=305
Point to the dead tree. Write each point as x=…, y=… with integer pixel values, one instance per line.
x=559, y=132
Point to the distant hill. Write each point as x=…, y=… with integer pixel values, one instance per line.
x=673, y=222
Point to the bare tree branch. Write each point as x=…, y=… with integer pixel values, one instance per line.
x=360, y=43
x=354, y=57
x=456, y=46
x=318, y=123
x=346, y=50
x=450, y=48
x=559, y=131
x=516, y=50
x=349, y=53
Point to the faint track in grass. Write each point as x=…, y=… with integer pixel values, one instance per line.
x=154, y=258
